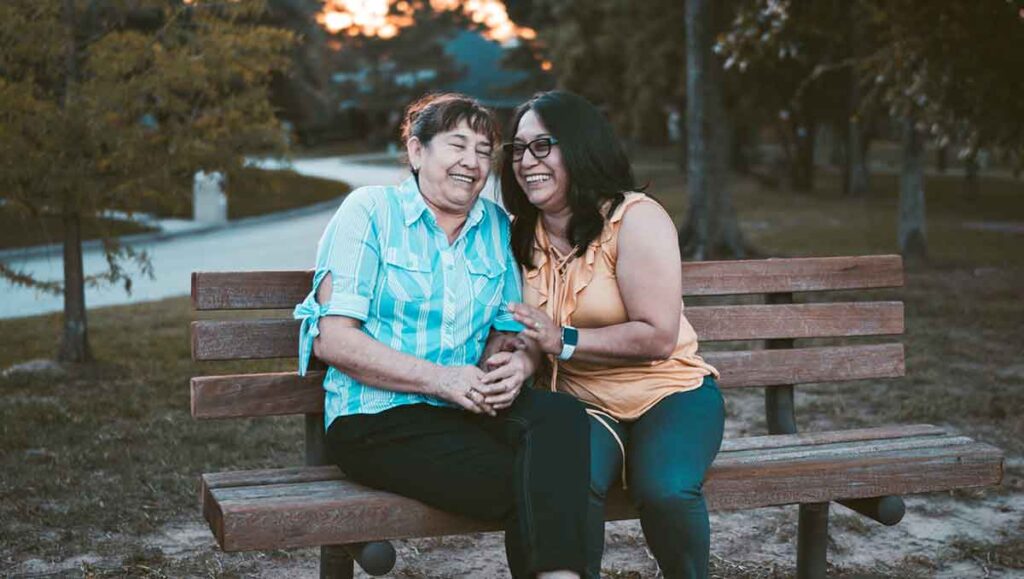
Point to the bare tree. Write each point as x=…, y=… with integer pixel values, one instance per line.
x=912, y=239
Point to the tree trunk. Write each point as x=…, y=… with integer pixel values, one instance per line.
x=740, y=148
x=855, y=168
x=828, y=147
x=857, y=181
x=802, y=170
x=684, y=140
x=74, y=345
x=912, y=239
x=942, y=158
x=711, y=228
x=971, y=175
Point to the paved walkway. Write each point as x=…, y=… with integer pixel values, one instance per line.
x=285, y=243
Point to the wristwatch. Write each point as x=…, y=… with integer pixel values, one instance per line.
x=570, y=337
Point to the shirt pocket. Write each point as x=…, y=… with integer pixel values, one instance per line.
x=409, y=277
x=486, y=281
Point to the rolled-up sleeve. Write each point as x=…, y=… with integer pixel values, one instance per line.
x=511, y=291
x=349, y=251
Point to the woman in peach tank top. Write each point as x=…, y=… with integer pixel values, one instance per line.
x=602, y=287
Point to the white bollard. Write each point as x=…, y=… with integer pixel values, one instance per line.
x=209, y=203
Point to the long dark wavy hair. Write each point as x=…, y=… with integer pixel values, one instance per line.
x=595, y=162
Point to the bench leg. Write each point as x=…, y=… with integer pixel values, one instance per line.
x=812, y=541
x=335, y=563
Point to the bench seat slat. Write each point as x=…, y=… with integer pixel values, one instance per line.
x=277, y=514
x=284, y=289
x=275, y=476
x=278, y=338
x=246, y=395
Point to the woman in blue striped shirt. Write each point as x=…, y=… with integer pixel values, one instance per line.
x=408, y=308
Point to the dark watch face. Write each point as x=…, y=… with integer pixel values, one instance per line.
x=570, y=336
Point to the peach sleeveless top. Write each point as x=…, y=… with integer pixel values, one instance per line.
x=583, y=292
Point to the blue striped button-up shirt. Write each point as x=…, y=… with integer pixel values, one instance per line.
x=393, y=269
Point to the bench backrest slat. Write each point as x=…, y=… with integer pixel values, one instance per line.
x=287, y=393
x=277, y=338
x=283, y=289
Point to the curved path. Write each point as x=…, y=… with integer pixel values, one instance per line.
x=287, y=243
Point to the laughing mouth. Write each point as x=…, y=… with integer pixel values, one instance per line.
x=462, y=178
x=538, y=178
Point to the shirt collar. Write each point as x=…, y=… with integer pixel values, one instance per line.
x=414, y=206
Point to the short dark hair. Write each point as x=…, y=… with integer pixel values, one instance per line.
x=439, y=112
x=598, y=169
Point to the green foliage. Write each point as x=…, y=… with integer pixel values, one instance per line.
x=116, y=103
x=946, y=64
x=627, y=57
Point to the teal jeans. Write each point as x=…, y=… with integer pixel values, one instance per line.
x=668, y=452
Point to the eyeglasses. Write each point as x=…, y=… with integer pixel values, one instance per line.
x=539, y=148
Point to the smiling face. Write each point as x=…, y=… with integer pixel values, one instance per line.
x=545, y=181
x=452, y=167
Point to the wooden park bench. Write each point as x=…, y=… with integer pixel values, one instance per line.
x=865, y=469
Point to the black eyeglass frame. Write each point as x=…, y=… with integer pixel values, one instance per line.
x=511, y=148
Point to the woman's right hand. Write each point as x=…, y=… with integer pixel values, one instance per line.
x=464, y=386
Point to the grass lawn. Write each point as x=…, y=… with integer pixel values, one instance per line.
x=97, y=459
x=252, y=192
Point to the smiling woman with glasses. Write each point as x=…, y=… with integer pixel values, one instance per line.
x=539, y=148
x=601, y=292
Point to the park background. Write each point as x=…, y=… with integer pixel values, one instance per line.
x=767, y=127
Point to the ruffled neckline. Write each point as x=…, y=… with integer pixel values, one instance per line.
x=579, y=271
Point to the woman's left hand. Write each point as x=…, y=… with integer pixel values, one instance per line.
x=539, y=327
x=507, y=373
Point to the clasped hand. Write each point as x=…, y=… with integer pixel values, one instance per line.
x=491, y=388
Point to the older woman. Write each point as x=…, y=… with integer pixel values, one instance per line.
x=410, y=283
x=602, y=299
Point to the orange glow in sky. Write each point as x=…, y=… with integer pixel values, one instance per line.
x=385, y=18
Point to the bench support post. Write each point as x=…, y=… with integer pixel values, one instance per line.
x=335, y=560
x=335, y=563
x=779, y=411
x=812, y=541
x=316, y=450
x=780, y=414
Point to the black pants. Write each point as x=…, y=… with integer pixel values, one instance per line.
x=528, y=467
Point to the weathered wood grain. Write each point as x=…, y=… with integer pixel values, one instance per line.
x=300, y=474
x=278, y=338
x=284, y=289
x=718, y=323
x=249, y=395
x=249, y=290
x=327, y=509
x=803, y=274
